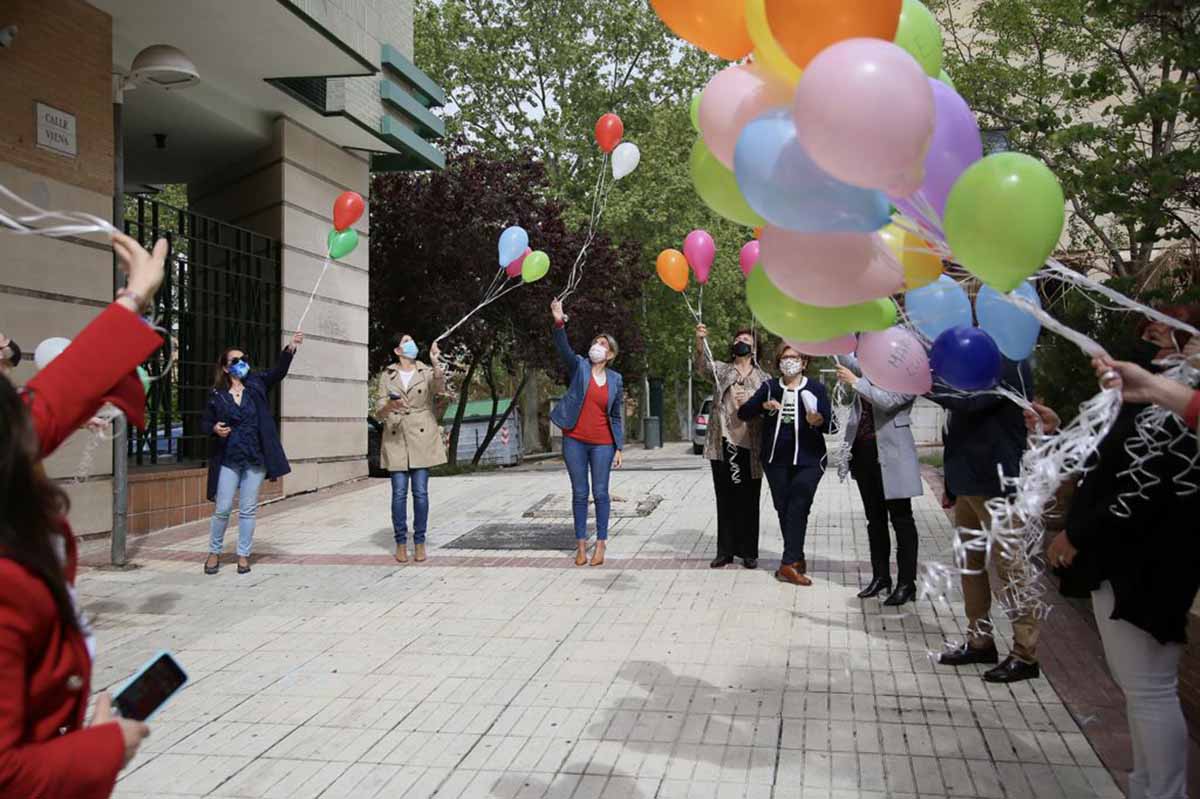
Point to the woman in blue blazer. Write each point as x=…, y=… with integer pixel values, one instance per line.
x=592, y=417
x=245, y=448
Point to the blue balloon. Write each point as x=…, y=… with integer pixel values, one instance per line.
x=786, y=188
x=966, y=358
x=513, y=242
x=939, y=306
x=1014, y=331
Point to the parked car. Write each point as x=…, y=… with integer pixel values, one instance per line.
x=700, y=427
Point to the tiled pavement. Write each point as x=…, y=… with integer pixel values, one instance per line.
x=331, y=672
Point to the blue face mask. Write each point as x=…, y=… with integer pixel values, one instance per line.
x=239, y=369
x=409, y=350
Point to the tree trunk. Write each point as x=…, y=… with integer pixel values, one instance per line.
x=461, y=410
x=494, y=426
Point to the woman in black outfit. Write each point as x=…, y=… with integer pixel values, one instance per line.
x=797, y=416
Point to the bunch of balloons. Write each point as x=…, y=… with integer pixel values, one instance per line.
x=840, y=135
x=625, y=154
x=347, y=209
x=518, y=260
x=699, y=251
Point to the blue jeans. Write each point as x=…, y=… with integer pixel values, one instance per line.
x=598, y=458
x=420, y=491
x=245, y=482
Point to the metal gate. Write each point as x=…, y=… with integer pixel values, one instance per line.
x=222, y=289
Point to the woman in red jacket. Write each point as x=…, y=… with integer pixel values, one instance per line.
x=45, y=642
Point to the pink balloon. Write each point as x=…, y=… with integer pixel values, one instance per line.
x=514, y=268
x=865, y=114
x=830, y=270
x=733, y=98
x=834, y=346
x=749, y=256
x=700, y=250
x=895, y=360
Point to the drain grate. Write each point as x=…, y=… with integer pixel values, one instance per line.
x=558, y=506
x=519, y=536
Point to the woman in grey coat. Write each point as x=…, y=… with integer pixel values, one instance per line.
x=883, y=461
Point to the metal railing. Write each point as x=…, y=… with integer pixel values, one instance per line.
x=222, y=289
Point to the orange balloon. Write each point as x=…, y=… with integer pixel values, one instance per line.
x=673, y=269
x=804, y=28
x=718, y=26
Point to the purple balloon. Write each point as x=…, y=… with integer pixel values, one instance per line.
x=966, y=358
x=956, y=144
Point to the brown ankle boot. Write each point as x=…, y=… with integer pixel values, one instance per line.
x=402, y=553
x=419, y=553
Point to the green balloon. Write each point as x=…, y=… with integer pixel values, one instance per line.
x=694, y=111
x=717, y=186
x=535, y=266
x=1004, y=217
x=342, y=242
x=944, y=77
x=794, y=320
x=145, y=378
x=920, y=34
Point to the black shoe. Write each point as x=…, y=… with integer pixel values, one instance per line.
x=904, y=593
x=214, y=567
x=750, y=563
x=877, y=586
x=966, y=654
x=721, y=560
x=1013, y=669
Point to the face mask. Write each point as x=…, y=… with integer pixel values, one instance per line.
x=741, y=349
x=791, y=366
x=598, y=353
x=15, y=357
x=409, y=350
x=239, y=369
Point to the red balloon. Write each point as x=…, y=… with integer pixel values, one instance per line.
x=514, y=269
x=609, y=130
x=347, y=208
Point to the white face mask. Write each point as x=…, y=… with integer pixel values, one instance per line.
x=791, y=366
x=598, y=353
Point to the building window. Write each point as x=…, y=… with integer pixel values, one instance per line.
x=222, y=289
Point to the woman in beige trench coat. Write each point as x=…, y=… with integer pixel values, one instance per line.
x=412, y=437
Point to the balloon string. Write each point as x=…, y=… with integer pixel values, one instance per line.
x=735, y=469
x=76, y=223
x=599, y=205
x=496, y=291
x=312, y=295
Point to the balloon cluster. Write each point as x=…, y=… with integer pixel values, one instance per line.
x=347, y=209
x=844, y=140
x=699, y=251
x=518, y=260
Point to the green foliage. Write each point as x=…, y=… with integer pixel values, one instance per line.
x=1104, y=91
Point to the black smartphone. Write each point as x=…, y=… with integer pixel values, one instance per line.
x=149, y=689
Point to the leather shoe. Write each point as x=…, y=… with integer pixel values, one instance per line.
x=903, y=594
x=788, y=573
x=966, y=654
x=876, y=587
x=721, y=560
x=1013, y=669
x=750, y=563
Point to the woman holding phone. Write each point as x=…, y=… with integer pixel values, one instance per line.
x=592, y=417
x=46, y=643
x=412, y=438
x=797, y=416
x=245, y=448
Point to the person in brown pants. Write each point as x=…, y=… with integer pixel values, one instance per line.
x=985, y=433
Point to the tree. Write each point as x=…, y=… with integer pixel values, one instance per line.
x=1107, y=92
x=433, y=244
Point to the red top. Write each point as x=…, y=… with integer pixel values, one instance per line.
x=592, y=427
x=45, y=668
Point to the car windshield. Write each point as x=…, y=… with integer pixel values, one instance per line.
x=706, y=408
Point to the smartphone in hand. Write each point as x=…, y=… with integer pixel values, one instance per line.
x=145, y=693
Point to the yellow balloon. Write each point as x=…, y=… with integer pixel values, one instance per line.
x=920, y=268
x=768, y=53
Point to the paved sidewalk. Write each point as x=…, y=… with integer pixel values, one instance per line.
x=330, y=671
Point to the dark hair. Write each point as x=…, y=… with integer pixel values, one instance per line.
x=783, y=347
x=745, y=331
x=32, y=508
x=221, y=380
x=397, y=340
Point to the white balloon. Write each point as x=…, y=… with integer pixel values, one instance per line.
x=625, y=159
x=48, y=350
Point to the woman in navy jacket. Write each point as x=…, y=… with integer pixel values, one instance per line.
x=591, y=415
x=793, y=451
x=245, y=448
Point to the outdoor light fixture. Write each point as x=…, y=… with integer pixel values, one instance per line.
x=164, y=66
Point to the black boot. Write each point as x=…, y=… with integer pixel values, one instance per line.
x=1012, y=670
x=721, y=560
x=965, y=655
x=878, y=586
x=904, y=593
x=750, y=563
